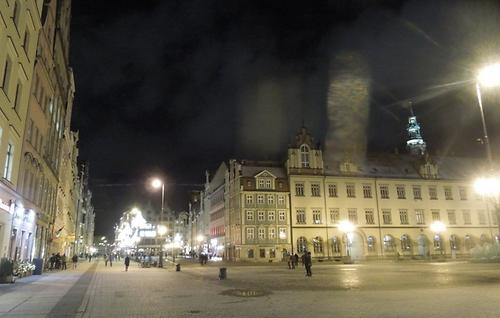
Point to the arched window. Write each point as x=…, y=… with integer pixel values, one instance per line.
x=301, y=244
x=318, y=244
x=405, y=243
x=370, y=242
x=388, y=243
x=484, y=239
x=438, y=244
x=304, y=156
x=453, y=242
x=335, y=245
x=468, y=242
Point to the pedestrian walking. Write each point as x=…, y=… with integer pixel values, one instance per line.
x=52, y=261
x=106, y=260
x=90, y=258
x=296, y=259
x=63, y=262
x=110, y=260
x=308, y=264
x=127, y=263
x=291, y=262
x=75, y=261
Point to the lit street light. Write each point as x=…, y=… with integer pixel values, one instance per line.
x=157, y=183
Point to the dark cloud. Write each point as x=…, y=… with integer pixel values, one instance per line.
x=174, y=87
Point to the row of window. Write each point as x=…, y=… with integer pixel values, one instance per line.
x=387, y=216
x=263, y=199
x=389, y=243
x=266, y=233
x=263, y=216
x=401, y=191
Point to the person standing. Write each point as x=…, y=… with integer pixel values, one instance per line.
x=296, y=259
x=308, y=264
x=75, y=261
x=127, y=263
x=106, y=260
x=110, y=260
x=291, y=262
x=63, y=261
x=90, y=258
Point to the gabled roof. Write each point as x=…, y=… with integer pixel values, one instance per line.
x=265, y=173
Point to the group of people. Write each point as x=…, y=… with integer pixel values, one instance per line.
x=58, y=261
x=306, y=259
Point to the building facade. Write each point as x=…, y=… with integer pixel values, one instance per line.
x=20, y=23
x=257, y=211
x=391, y=200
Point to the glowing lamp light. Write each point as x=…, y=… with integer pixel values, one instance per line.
x=489, y=76
x=487, y=186
x=200, y=238
x=438, y=227
x=346, y=226
x=156, y=183
x=162, y=229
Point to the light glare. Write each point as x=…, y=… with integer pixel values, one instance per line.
x=489, y=76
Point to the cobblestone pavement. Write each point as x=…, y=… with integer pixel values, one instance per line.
x=364, y=290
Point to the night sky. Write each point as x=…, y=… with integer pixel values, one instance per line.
x=172, y=88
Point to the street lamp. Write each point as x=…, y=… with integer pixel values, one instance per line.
x=347, y=228
x=488, y=76
x=157, y=183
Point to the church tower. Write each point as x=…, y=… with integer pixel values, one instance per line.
x=304, y=156
x=415, y=143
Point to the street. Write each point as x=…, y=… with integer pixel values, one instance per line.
x=361, y=290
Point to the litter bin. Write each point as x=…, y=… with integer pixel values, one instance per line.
x=38, y=262
x=177, y=267
x=222, y=273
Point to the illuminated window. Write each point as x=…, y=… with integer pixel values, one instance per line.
x=9, y=156
x=386, y=215
x=448, y=194
x=417, y=192
x=405, y=242
x=462, y=192
x=384, y=191
x=250, y=233
x=403, y=216
x=272, y=233
x=369, y=217
x=452, y=217
x=260, y=199
x=370, y=242
x=335, y=245
x=400, y=189
x=334, y=216
x=250, y=216
x=270, y=200
x=433, y=193
x=420, y=216
x=466, y=216
x=281, y=216
x=316, y=216
x=301, y=216
x=262, y=233
x=318, y=244
x=453, y=242
x=261, y=216
x=388, y=243
x=351, y=190
x=436, y=216
x=352, y=215
x=271, y=216
x=367, y=191
x=249, y=199
x=299, y=189
x=301, y=244
x=315, y=190
x=332, y=190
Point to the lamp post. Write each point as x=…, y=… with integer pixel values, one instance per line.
x=488, y=76
x=347, y=228
x=157, y=183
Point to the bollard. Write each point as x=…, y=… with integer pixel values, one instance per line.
x=177, y=267
x=222, y=273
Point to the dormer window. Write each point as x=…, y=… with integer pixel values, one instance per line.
x=304, y=156
x=265, y=183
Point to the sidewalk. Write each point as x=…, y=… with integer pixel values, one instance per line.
x=36, y=296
